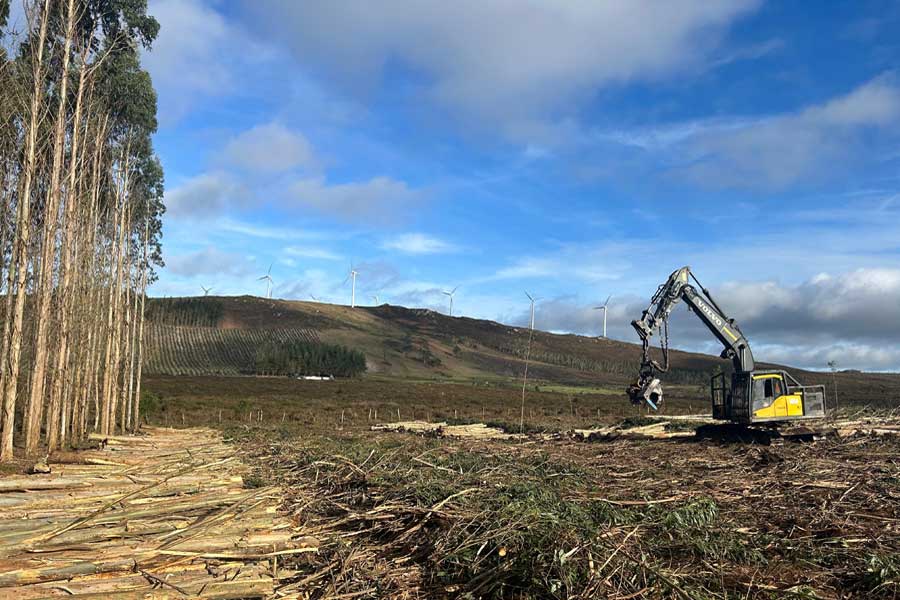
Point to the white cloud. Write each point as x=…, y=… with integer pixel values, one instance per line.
x=269, y=148
x=419, y=243
x=379, y=199
x=209, y=261
x=846, y=355
x=776, y=151
x=206, y=195
x=516, y=64
x=811, y=144
x=578, y=262
x=190, y=59
x=311, y=252
x=852, y=318
x=269, y=232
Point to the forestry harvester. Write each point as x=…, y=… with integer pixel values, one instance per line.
x=753, y=395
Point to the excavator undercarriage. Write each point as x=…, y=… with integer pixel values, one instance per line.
x=748, y=395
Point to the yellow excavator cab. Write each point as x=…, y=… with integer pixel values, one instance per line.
x=764, y=396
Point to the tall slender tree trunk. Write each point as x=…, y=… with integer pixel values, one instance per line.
x=113, y=344
x=45, y=295
x=15, y=313
x=59, y=396
x=136, y=421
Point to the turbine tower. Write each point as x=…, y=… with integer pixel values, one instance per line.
x=450, y=295
x=206, y=290
x=268, y=279
x=604, y=307
x=351, y=276
x=375, y=298
x=533, y=300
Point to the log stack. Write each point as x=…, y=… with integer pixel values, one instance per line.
x=165, y=515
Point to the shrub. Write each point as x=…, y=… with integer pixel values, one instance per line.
x=296, y=358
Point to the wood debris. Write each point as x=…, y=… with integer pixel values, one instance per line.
x=165, y=515
x=442, y=429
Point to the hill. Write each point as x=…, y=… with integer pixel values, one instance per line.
x=221, y=336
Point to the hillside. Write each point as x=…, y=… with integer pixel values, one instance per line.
x=220, y=335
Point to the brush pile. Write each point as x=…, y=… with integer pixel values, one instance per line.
x=404, y=516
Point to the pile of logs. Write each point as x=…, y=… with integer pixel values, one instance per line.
x=664, y=427
x=165, y=515
x=442, y=429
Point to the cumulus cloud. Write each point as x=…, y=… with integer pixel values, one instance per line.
x=380, y=199
x=209, y=261
x=861, y=305
x=206, y=195
x=513, y=63
x=418, y=243
x=186, y=60
x=782, y=150
x=852, y=318
x=269, y=148
x=769, y=152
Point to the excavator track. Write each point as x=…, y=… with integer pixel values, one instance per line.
x=770, y=434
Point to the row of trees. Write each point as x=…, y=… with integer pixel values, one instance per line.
x=190, y=312
x=81, y=201
x=309, y=358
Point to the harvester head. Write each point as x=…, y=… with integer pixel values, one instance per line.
x=646, y=390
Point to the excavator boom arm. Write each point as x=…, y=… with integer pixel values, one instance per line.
x=677, y=288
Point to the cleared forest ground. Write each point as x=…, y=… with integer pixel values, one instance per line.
x=404, y=516
x=400, y=515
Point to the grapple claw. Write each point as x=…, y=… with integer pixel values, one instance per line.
x=647, y=390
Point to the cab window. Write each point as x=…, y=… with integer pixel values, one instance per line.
x=762, y=393
x=765, y=391
x=777, y=387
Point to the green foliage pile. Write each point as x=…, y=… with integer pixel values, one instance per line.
x=493, y=525
x=403, y=516
x=192, y=312
x=299, y=357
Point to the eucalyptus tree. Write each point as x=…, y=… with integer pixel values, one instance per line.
x=81, y=190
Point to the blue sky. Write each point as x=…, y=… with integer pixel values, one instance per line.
x=575, y=150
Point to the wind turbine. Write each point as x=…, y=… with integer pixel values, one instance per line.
x=375, y=298
x=352, y=276
x=206, y=290
x=314, y=299
x=268, y=279
x=604, y=308
x=450, y=295
x=533, y=300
